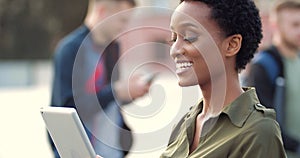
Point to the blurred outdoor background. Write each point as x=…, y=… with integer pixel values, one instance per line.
x=29, y=32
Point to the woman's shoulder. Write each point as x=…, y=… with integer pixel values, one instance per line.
x=262, y=121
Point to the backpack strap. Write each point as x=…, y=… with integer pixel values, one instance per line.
x=271, y=60
x=273, y=51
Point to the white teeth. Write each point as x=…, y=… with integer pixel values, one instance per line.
x=184, y=65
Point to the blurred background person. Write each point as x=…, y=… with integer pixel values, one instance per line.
x=275, y=72
x=31, y=30
x=85, y=68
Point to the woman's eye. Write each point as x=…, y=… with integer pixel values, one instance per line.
x=190, y=39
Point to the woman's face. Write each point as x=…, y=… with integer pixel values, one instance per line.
x=197, y=41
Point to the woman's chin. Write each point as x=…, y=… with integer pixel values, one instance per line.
x=183, y=83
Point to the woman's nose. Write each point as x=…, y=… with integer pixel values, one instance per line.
x=176, y=49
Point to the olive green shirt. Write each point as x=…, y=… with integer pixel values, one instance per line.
x=244, y=129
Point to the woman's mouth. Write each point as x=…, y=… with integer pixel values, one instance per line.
x=183, y=66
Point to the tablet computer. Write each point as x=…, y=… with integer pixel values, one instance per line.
x=67, y=132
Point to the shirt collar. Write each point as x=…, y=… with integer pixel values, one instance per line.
x=240, y=109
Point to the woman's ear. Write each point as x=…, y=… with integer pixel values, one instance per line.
x=233, y=44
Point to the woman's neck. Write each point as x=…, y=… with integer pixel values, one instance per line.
x=220, y=93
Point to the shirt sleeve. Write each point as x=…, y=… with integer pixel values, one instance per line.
x=262, y=140
x=62, y=81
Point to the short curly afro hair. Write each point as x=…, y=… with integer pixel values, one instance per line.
x=238, y=17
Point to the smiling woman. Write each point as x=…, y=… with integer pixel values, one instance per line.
x=212, y=41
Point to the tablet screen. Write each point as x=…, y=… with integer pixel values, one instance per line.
x=67, y=132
